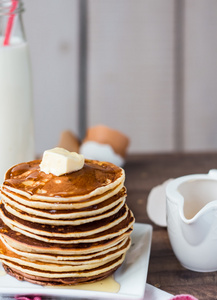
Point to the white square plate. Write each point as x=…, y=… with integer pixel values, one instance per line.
x=131, y=275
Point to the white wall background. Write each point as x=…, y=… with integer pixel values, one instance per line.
x=132, y=71
x=200, y=86
x=51, y=28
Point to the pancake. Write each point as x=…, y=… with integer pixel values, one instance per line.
x=66, y=221
x=58, y=281
x=64, y=231
x=116, y=230
x=67, y=229
x=24, y=243
x=70, y=213
x=57, y=204
x=74, y=259
x=55, y=266
x=95, y=178
x=96, y=271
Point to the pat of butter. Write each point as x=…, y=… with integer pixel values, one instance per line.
x=59, y=161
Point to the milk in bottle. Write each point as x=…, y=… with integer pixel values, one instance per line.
x=16, y=98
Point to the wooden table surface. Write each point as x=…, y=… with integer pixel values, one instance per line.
x=143, y=172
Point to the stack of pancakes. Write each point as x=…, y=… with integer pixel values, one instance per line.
x=63, y=230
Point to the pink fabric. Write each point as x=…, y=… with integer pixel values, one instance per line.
x=27, y=298
x=183, y=297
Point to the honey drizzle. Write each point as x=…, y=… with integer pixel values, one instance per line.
x=2, y=273
x=108, y=284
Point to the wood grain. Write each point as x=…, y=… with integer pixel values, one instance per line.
x=143, y=172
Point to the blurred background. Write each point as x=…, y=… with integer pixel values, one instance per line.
x=147, y=68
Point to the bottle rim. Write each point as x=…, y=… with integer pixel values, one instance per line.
x=5, y=7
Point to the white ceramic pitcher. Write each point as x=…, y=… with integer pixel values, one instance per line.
x=192, y=220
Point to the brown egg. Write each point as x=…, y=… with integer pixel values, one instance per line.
x=69, y=141
x=105, y=135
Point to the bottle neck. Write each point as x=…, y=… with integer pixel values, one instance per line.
x=8, y=7
x=11, y=25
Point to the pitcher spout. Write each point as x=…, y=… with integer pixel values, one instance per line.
x=196, y=230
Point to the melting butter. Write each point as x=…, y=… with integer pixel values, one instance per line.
x=108, y=284
x=59, y=161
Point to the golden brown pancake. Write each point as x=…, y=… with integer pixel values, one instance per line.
x=57, y=281
x=56, y=203
x=55, y=266
x=65, y=221
x=61, y=230
x=81, y=258
x=70, y=213
x=24, y=243
x=93, y=179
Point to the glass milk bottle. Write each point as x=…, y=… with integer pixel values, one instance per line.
x=16, y=97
